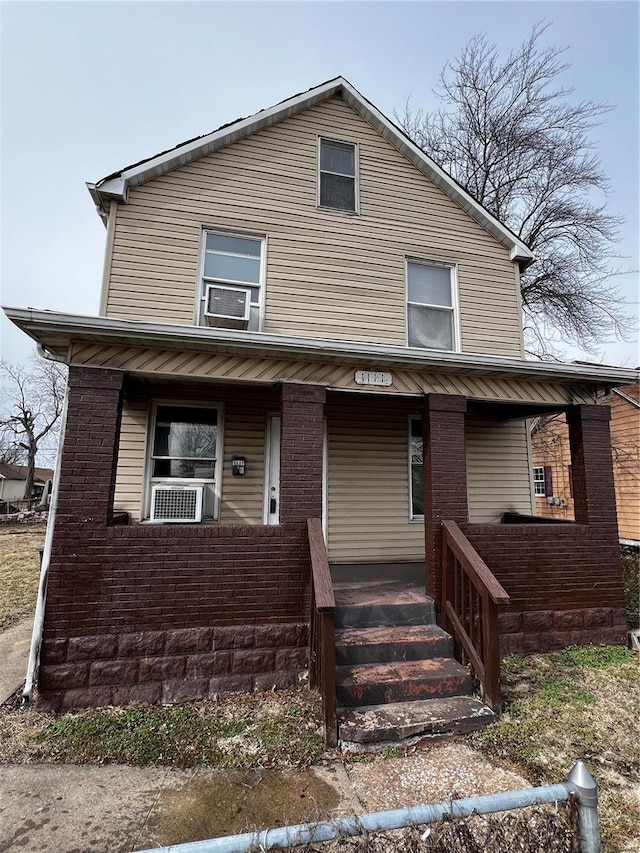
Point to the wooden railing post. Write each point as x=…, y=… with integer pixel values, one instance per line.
x=322, y=643
x=491, y=653
x=328, y=669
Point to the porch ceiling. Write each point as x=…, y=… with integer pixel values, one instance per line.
x=505, y=411
x=56, y=332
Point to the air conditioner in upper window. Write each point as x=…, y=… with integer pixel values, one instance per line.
x=227, y=307
x=176, y=503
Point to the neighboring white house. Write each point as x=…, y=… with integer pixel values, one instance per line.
x=14, y=477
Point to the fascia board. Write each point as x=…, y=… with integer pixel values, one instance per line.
x=627, y=397
x=133, y=333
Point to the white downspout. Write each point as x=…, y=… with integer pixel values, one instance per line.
x=38, y=622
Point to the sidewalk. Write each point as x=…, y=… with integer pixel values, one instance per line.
x=114, y=809
x=14, y=654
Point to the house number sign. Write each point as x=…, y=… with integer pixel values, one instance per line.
x=373, y=377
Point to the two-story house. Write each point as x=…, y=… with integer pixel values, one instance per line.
x=308, y=333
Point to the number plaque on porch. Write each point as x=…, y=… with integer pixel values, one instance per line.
x=373, y=377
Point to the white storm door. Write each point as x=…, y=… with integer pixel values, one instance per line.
x=272, y=485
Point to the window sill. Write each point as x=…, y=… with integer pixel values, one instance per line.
x=341, y=210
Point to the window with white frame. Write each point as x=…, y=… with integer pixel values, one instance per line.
x=232, y=281
x=183, y=464
x=337, y=175
x=416, y=481
x=539, y=486
x=431, y=312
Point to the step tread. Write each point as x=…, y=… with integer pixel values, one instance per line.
x=380, y=634
x=400, y=720
x=386, y=673
x=377, y=593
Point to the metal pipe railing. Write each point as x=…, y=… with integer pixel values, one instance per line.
x=579, y=784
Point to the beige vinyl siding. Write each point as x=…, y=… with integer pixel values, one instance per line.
x=498, y=474
x=244, y=434
x=243, y=497
x=132, y=458
x=368, y=486
x=329, y=273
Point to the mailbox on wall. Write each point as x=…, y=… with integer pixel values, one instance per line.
x=238, y=466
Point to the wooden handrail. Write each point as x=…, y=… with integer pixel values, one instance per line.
x=322, y=642
x=325, y=600
x=474, y=564
x=471, y=596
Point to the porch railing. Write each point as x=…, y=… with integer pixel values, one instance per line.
x=471, y=596
x=322, y=648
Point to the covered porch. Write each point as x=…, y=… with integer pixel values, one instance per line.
x=143, y=609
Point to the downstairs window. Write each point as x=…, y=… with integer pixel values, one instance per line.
x=184, y=463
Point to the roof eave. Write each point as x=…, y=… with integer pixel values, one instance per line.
x=71, y=327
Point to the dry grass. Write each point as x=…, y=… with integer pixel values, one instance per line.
x=579, y=703
x=19, y=572
x=252, y=730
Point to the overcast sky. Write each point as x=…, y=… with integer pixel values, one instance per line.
x=88, y=88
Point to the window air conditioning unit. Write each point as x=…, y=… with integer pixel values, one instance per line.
x=227, y=307
x=176, y=503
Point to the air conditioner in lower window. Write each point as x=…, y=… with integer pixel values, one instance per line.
x=227, y=307
x=176, y=503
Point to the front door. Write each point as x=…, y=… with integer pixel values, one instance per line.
x=272, y=490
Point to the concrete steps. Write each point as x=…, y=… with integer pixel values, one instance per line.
x=391, y=643
x=396, y=676
x=377, y=683
x=395, y=722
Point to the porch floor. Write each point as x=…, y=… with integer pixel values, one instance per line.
x=381, y=594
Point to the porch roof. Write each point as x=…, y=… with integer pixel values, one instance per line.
x=55, y=332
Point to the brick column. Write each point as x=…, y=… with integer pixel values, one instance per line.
x=592, y=469
x=89, y=455
x=301, y=444
x=445, y=476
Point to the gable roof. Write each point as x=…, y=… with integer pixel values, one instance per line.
x=19, y=472
x=117, y=185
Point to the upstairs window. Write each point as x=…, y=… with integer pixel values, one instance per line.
x=431, y=313
x=232, y=273
x=337, y=178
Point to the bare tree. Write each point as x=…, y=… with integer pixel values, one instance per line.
x=516, y=140
x=36, y=399
x=10, y=452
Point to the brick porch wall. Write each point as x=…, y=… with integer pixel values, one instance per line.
x=565, y=581
x=168, y=612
